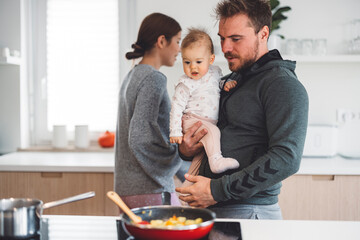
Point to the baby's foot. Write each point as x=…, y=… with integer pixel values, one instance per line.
x=219, y=164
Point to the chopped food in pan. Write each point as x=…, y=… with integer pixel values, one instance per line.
x=175, y=221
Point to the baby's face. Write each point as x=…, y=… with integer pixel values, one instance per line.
x=196, y=60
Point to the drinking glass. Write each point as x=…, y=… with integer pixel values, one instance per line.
x=292, y=47
x=307, y=46
x=320, y=47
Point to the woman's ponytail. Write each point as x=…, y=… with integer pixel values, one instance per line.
x=138, y=52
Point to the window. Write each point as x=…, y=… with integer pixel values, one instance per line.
x=76, y=80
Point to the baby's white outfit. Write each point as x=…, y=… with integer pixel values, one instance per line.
x=198, y=100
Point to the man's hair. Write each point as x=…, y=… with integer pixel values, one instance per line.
x=258, y=11
x=196, y=35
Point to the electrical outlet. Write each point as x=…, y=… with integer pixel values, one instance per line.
x=347, y=115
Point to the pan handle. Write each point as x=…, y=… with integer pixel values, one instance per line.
x=166, y=198
x=68, y=200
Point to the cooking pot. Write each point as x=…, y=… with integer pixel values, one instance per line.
x=147, y=232
x=20, y=217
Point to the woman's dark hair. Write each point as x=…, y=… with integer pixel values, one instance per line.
x=258, y=11
x=153, y=26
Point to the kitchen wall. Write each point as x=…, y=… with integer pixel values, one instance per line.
x=330, y=85
x=9, y=77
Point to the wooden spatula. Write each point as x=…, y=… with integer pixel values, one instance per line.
x=116, y=199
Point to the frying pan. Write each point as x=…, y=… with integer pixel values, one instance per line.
x=147, y=232
x=20, y=217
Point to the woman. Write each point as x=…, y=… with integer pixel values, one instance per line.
x=145, y=161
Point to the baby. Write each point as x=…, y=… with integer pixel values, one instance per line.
x=196, y=98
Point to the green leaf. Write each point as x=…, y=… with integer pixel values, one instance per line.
x=277, y=15
x=275, y=25
x=280, y=11
x=274, y=4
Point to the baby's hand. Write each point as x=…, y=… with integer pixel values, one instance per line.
x=176, y=140
x=229, y=85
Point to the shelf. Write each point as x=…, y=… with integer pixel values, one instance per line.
x=10, y=61
x=219, y=59
x=324, y=59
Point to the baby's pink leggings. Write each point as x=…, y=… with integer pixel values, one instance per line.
x=211, y=140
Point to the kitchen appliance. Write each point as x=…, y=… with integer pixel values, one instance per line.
x=195, y=231
x=20, y=217
x=321, y=141
x=101, y=227
x=349, y=139
x=117, y=199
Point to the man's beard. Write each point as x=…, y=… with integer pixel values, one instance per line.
x=247, y=63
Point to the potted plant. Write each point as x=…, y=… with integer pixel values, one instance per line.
x=277, y=17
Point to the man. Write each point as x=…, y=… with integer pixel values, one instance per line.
x=263, y=120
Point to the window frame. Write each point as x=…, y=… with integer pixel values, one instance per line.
x=34, y=13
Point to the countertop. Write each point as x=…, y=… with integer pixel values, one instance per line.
x=95, y=227
x=58, y=162
x=104, y=162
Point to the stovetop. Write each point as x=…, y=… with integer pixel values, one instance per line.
x=101, y=228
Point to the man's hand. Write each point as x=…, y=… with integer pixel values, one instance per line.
x=190, y=145
x=176, y=140
x=198, y=194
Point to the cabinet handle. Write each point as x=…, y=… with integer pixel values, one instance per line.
x=51, y=174
x=323, y=177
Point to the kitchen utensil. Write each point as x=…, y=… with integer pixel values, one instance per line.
x=116, y=199
x=149, y=213
x=20, y=217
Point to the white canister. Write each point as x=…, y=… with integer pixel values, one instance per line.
x=81, y=136
x=349, y=139
x=5, y=52
x=59, y=136
x=321, y=141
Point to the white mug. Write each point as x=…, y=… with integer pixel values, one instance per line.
x=81, y=136
x=5, y=52
x=59, y=136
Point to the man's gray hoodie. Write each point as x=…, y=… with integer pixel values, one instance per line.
x=263, y=123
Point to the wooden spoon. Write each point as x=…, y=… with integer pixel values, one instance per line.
x=116, y=199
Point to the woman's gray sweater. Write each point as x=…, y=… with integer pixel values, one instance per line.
x=145, y=161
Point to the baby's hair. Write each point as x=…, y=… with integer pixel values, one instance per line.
x=196, y=35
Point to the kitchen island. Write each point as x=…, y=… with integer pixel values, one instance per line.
x=95, y=227
x=322, y=189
